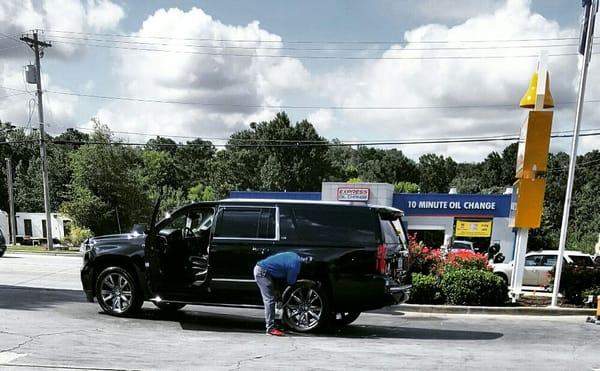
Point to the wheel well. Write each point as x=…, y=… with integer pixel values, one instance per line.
x=502, y=275
x=117, y=261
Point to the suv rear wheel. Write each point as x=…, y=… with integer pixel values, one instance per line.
x=117, y=292
x=306, y=307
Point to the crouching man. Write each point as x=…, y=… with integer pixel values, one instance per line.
x=285, y=266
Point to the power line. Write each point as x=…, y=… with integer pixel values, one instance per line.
x=324, y=143
x=13, y=95
x=288, y=106
x=247, y=40
x=500, y=136
x=320, y=57
x=262, y=47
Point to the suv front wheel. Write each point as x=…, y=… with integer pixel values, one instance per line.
x=306, y=307
x=117, y=292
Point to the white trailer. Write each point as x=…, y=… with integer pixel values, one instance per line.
x=31, y=227
x=4, y=226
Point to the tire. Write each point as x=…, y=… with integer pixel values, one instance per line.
x=345, y=318
x=306, y=308
x=2, y=253
x=504, y=278
x=117, y=292
x=169, y=306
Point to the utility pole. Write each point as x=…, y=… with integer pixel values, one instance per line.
x=37, y=47
x=11, y=201
x=587, y=35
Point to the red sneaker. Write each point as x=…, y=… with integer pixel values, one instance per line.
x=275, y=332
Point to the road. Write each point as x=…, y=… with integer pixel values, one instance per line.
x=53, y=327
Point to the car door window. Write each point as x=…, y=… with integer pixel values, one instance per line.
x=549, y=260
x=330, y=224
x=246, y=223
x=533, y=261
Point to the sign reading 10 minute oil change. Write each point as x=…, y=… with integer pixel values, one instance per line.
x=452, y=205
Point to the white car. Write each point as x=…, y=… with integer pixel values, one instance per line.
x=539, y=263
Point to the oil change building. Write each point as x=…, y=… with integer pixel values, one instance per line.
x=432, y=217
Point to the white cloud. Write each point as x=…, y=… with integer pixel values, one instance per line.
x=103, y=15
x=231, y=88
x=18, y=16
x=454, y=82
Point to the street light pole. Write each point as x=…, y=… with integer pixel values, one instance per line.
x=587, y=53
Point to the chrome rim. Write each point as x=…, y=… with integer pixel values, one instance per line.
x=116, y=292
x=304, y=308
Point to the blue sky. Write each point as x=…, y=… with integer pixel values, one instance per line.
x=271, y=82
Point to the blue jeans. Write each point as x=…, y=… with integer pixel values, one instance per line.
x=265, y=284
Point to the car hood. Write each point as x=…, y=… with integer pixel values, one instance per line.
x=117, y=239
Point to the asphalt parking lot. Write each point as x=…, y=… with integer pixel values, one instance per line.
x=53, y=327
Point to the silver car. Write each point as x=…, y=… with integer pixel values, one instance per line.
x=539, y=263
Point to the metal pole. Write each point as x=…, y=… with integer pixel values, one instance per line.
x=11, y=201
x=36, y=49
x=516, y=282
x=573, y=159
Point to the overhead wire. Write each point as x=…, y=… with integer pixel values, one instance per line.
x=249, y=40
x=316, y=57
x=262, y=47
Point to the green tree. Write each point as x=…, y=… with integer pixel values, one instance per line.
x=437, y=172
x=201, y=192
x=193, y=161
x=255, y=158
x=406, y=187
x=105, y=191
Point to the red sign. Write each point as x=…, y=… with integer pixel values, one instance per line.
x=353, y=194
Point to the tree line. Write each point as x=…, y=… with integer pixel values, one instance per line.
x=107, y=185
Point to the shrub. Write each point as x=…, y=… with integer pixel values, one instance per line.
x=425, y=289
x=77, y=235
x=592, y=291
x=422, y=259
x=464, y=260
x=473, y=287
x=574, y=280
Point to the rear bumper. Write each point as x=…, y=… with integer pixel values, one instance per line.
x=399, y=293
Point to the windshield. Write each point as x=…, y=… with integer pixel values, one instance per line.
x=458, y=245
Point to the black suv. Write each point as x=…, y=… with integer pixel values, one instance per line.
x=204, y=253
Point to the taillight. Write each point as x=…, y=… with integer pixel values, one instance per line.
x=381, y=259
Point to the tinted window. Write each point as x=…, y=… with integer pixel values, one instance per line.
x=330, y=224
x=267, y=224
x=246, y=222
x=390, y=235
x=462, y=246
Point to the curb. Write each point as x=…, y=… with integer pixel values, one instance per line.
x=463, y=309
x=51, y=253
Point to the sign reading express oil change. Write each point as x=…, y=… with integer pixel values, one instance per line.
x=473, y=228
x=353, y=194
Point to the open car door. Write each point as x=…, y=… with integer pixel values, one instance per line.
x=176, y=252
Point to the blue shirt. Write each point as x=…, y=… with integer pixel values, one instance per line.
x=283, y=265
